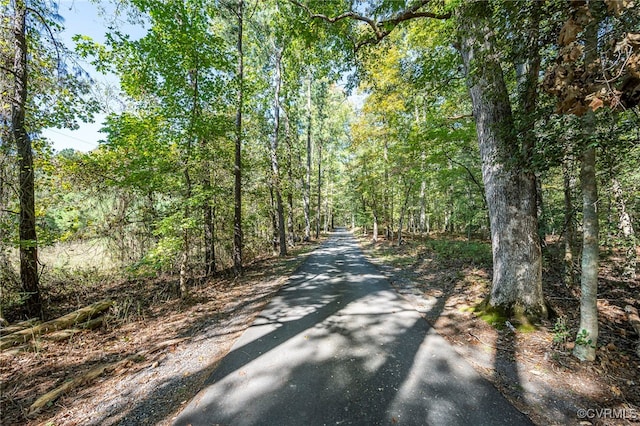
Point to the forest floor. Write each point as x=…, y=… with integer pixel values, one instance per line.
x=184, y=339
x=533, y=368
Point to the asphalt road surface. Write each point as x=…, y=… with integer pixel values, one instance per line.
x=338, y=346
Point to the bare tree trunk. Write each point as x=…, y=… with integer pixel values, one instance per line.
x=319, y=205
x=625, y=225
x=290, y=215
x=27, y=227
x=209, y=236
x=510, y=192
x=402, y=213
x=423, y=190
x=569, y=223
x=374, y=238
x=307, y=185
x=237, y=170
x=587, y=338
x=275, y=168
x=184, y=262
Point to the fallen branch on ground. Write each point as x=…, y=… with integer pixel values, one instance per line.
x=96, y=372
x=19, y=326
x=66, y=321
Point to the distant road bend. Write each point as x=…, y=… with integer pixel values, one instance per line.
x=338, y=346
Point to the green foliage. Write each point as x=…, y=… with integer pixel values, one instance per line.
x=473, y=252
x=583, y=339
x=561, y=332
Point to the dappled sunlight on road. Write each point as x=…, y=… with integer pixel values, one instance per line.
x=338, y=345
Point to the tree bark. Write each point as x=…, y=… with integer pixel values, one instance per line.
x=510, y=192
x=569, y=223
x=291, y=213
x=275, y=168
x=587, y=339
x=374, y=238
x=237, y=170
x=319, y=206
x=184, y=261
x=27, y=227
x=423, y=200
x=307, y=185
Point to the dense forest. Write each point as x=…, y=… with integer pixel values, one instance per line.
x=242, y=129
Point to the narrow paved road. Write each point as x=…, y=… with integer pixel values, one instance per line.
x=338, y=346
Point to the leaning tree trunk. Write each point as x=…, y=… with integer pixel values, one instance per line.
x=587, y=338
x=27, y=226
x=510, y=192
x=237, y=170
x=275, y=168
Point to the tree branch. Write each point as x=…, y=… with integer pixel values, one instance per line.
x=380, y=29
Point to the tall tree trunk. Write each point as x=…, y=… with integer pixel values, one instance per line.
x=275, y=168
x=510, y=192
x=237, y=170
x=307, y=183
x=290, y=215
x=587, y=337
x=27, y=226
x=423, y=190
x=209, y=231
x=374, y=238
x=403, y=210
x=569, y=223
x=184, y=262
x=319, y=205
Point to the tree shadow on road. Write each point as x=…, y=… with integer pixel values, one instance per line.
x=412, y=377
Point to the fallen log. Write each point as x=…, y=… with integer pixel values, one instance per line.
x=634, y=320
x=97, y=371
x=58, y=336
x=67, y=386
x=12, y=328
x=66, y=321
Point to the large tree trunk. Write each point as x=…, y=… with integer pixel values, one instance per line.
x=307, y=183
x=587, y=338
x=27, y=226
x=510, y=192
x=237, y=170
x=275, y=168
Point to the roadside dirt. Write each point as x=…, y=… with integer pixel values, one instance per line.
x=537, y=374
